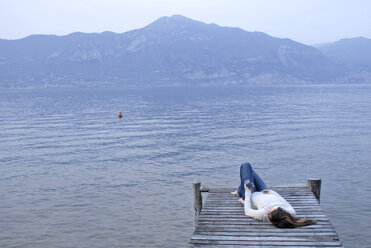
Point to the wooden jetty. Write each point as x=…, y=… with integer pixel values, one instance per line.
x=221, y=222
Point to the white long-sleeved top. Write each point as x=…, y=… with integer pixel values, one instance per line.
x=263, y=202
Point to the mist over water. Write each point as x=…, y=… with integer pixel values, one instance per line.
x=72, y=174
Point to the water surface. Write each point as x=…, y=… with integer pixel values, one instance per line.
x=74, y=175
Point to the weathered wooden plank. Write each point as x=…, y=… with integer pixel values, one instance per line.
x=239, y=206
x=232, y=200
x=241, y=214
x=262, y=229
x=330, y=233
x=253, y=246
x=289, y=197
x=240, y=211
x=282, y=190
x=236, y=206
x=274, y=187
x=226, y=195
x=253, y=224
x=236, y=219
x=313, y=238
x=221, y=208
x=238, y=215
x=288, y=194
x=297, y=202
x=266, y=243
x=246, y=220
x=237, y=203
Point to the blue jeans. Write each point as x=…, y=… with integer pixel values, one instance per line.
x=246, y=172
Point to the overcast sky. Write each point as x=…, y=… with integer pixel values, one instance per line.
x=306, y=21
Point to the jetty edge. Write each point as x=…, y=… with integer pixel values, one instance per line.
x=221, y=221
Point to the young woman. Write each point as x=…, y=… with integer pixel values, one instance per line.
x=270, y=206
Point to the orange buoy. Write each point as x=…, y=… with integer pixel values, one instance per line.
x=120, y=115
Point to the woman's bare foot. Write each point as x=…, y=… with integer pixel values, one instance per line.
x=241, y=201
x=234, y=193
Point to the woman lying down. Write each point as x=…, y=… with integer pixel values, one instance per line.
x=270, y=206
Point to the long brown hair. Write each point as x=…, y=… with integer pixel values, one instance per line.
x=282, y=219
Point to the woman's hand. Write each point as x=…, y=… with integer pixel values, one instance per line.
x=246, y=188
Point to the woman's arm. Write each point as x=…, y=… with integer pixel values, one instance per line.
x=256, y=214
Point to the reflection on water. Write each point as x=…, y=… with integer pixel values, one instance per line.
x=72, y=174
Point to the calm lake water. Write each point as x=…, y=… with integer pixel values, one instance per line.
x=74, y=175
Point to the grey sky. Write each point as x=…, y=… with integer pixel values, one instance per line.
x=306, y=21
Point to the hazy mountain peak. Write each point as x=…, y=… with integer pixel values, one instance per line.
x=353, y=51
x=356, y=40
x=175, y=21
x=183, y=19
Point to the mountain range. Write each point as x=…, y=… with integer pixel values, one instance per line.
x=177, y=50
